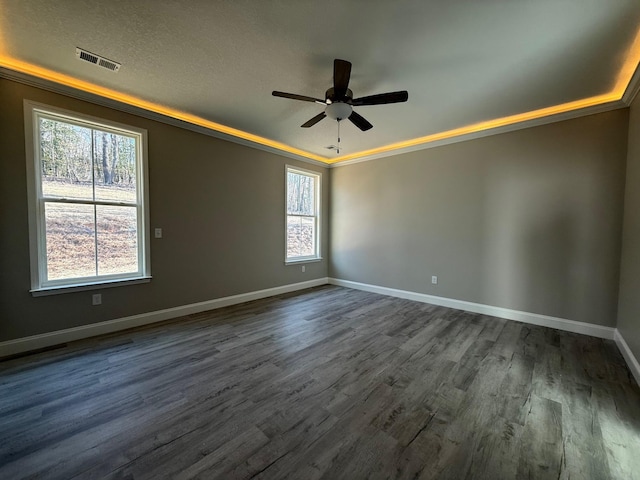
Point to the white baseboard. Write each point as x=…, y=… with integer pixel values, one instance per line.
x=35, y=342
x=525, y=317
x=44, y=340
x=628, y=355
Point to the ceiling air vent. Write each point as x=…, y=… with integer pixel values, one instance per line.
x=97, y=60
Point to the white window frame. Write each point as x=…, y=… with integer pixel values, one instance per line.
x=33, y=111
x=318, y=185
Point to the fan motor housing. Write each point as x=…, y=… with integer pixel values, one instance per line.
x=330, y=95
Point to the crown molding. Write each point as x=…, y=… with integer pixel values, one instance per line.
x=34, y=81
x=633, y=88
x=536, y=122
x=61, y=89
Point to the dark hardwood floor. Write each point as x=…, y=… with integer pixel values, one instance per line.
x=327, y=383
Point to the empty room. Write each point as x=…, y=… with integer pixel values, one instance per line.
x=319, y=240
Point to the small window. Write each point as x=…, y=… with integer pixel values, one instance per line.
x=303, y=201
x=87, y=200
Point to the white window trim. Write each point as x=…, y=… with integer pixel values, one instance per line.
x=36, y=218
x=317, y=256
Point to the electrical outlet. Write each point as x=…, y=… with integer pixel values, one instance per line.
x=96, y=299
x=434, y=280
x=304, y=268
x=158, y=233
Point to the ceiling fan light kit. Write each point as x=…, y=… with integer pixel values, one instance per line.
x=338, y=111
x=339, y=101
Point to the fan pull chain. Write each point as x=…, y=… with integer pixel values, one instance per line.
x=338, y=149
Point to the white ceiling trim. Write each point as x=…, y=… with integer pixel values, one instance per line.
x=633, y=88
x=536, y=122
x=141, y=112
x=630, y=93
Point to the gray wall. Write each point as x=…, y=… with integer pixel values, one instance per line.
x=221, y=207
x=629, y=306
x=529, y=220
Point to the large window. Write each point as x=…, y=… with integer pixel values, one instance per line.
x=87, y=200
x=303, y=203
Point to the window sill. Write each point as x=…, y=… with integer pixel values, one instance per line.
x=57, y=290
x=303, y=260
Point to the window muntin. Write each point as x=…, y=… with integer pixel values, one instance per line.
x=302, y=226
x=88, y=212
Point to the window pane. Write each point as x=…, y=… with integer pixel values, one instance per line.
x=300, y=237
x=115, y=167
x=65, y=153
x=90, y=216
x=300, y=194
x=117, y=240
x=70, y=238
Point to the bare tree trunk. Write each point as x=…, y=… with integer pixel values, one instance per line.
x=114, y=157
x=105, y=163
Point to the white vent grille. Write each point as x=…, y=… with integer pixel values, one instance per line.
x=97, y=60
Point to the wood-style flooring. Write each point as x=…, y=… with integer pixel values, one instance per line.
x=328, y=383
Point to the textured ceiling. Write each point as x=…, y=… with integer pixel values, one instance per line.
x=462, y=61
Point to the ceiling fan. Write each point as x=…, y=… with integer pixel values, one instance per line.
x=339, y=99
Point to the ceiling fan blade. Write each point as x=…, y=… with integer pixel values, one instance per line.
x=313, y=121
x=295, y=96
x=360, y=122
x=381, y=98
x=341, y=76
